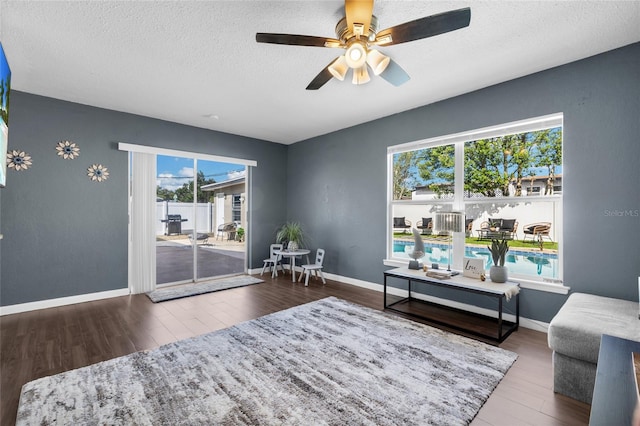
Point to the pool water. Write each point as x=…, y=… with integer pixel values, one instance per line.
x=521, y=262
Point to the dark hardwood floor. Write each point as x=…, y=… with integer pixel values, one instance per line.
x=45, y=342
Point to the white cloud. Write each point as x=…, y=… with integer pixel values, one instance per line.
x=173, y=182
x=236, y=174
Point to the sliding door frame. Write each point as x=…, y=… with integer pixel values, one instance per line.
x=194, y=156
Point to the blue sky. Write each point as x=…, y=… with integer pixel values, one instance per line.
x=173, y=172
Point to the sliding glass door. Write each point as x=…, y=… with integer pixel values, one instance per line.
x=201, y=219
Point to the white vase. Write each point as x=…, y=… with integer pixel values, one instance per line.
x=499, y=274
x=292, y=246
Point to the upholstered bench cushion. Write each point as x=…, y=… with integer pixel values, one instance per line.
x=576, y=329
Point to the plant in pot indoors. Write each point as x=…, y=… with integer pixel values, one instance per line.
x=498, y=272
x=291, y=235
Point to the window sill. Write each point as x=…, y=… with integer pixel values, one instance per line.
x=531, y=285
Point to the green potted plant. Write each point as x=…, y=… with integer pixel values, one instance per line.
x=292, y=235
x=498, y=272
x=240, y=234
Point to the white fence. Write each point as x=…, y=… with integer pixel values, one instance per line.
x=204, y=216
x=522, y=210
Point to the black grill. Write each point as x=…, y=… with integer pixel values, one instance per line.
x=174, y=224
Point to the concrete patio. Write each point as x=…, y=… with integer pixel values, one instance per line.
x=174, y=258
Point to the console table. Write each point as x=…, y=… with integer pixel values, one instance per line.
x=615, y=395
x=501, y=292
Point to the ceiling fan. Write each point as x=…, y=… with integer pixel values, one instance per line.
x=358, y=34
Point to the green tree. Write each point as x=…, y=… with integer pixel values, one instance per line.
x=164, y=193
x=491, y=165
x=436, y=167
x=403, y=177
x=549, y=154
x=184, y=194
x=482, y=162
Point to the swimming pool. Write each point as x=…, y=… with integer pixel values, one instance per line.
x=518, y=261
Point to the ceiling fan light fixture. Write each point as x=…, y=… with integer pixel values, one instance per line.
x=339, y=68
x=356, y=55
x=361, y=75
x=377, y=61
x=332, y=43
x=384, y=39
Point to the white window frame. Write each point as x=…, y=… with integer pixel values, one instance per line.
x=458, y=202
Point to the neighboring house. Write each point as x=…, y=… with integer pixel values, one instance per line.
x=537, y=185
x=229, y=201
x=533, y=185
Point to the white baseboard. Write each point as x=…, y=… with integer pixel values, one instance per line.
x=524, y=322
x=62, y=301
x=52, y=303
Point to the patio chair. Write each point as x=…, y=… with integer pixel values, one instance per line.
x=504, y=229
x=401, y=223
x=226, y=228
x=537, y=231
x=273, y=261
x=315, y=267
x=508, y=228
x=425, y=226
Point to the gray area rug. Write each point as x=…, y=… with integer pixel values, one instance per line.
x=201, y=288
x=328, y=362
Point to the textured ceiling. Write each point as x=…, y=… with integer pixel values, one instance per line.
x=197, y=63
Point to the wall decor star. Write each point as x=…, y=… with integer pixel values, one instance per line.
x=18, y=160
x=98, y=173
x=67, y=150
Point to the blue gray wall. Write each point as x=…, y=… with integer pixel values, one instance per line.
x=342, y=200
x=65, y=235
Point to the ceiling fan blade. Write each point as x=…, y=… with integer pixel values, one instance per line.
x=297, y=40
x=322, y=78
x=394, y=74
x=358, y=12
x=425, y=27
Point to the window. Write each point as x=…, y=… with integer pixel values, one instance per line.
x=237, y=208
x=506, y=179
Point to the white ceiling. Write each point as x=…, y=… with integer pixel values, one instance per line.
x=197, y=62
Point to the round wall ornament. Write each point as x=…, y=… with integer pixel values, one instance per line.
x=67, y=150
x=18, y=160
x=97, y=172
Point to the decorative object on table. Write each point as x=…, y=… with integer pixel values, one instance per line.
x=292, y=235
x=472, y=267
x=231, y=376
x=18, y=160
x=498, y=272
x=483, y=277
x=449, y=222
x=418, y=250
x=440, y=274
x=98, y=173
x=68, y=150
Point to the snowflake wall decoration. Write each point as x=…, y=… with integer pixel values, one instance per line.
x=97, y=172
x=18, y=160
x=67, y=150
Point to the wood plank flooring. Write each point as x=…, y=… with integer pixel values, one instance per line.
x=45, y=342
